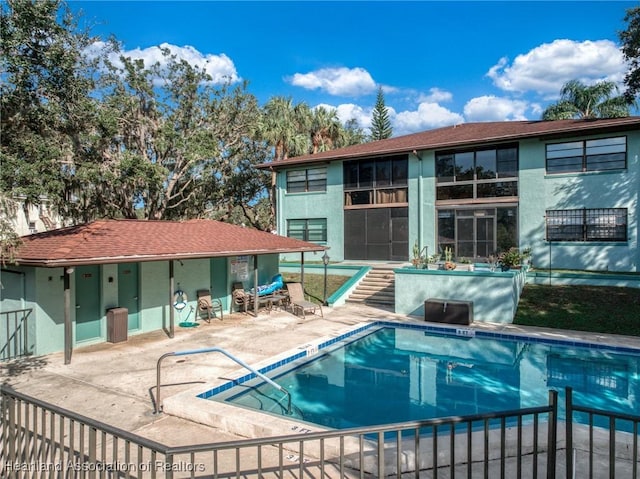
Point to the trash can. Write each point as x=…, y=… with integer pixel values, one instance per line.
x=448, y=311
x=117, y=325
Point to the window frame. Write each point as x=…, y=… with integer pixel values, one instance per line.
x=309, y=183
x=370, y=192
x=587, y=225
x=586, y=154
x=468, y=185
x=305, y=223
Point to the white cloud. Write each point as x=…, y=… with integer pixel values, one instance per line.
x=546, y=68
x=435, y=95
x=336, y=81
x=429, y=115
x=491, y=108
x=219, y=67
x=348, y=111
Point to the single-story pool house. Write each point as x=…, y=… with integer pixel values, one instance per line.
x=59, y=293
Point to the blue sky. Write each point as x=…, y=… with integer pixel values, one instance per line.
x=439, y=63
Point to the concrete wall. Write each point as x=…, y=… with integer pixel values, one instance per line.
x=43, y=290
x=318, y=204
x=495, y=295
x=538, y=192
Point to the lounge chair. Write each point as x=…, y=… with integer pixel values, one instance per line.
x=208, y=306
x=239, y=297
x=299, y=303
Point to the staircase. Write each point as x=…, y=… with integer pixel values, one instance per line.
x=377, y=289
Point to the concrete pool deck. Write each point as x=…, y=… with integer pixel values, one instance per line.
x=115, y=383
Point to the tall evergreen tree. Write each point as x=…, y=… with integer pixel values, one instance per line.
x=380, y=122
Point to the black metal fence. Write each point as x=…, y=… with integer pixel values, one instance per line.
x=14, y=334
x=41, y=440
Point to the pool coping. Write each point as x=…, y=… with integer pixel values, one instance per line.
x=249, y=423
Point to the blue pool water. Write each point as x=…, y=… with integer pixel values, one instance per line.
x=393, y=374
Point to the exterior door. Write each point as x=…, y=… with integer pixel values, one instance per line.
x=128, y=287
x=475, y=231
x=399, y=234
x=88, y=315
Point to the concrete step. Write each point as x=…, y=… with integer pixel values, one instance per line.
x=378, y=287
x=375, y=287
x=386, y=297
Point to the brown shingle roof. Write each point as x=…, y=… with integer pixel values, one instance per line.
x=122, y=241
x=466, y=134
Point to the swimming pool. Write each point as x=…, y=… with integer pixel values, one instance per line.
x=390, y=372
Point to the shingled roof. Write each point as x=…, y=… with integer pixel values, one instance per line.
x=125, y=241
x=466, y=134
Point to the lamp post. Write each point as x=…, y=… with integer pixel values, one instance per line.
x=325, y=261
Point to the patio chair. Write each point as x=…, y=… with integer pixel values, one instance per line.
x=299, y=303
x=239, y=297
x=208, y=306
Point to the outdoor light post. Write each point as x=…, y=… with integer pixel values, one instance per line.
x=325, y=261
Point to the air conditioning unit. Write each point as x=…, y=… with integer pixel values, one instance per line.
x=448, y=311
x=117, y=325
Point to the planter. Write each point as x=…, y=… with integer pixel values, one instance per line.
x=433, y=266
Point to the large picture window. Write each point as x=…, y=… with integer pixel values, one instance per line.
x=376, y=181
x=587, y=155
x=477, y=233
x=597, y=224
x=486, y=173
x=311, y=229
x=311, y=179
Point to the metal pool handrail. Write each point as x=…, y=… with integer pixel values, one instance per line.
x=239, y=361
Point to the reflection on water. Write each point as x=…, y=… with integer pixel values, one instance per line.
x=395, y=374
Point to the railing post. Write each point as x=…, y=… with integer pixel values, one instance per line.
x=569, y=431
x=168, y=459
x=552, y=439
x=9, y=431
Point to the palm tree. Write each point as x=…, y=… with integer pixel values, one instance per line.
x=326, y=130
x=285, y=127
x=581, y=101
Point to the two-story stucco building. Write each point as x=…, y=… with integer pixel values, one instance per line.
x=567, y=189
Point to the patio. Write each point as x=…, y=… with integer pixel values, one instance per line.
x=114, y=383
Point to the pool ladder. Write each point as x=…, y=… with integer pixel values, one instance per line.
x=158, y=408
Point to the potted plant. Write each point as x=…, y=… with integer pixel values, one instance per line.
x=525, y=256
x=466, y=264
x=448, y=259
x=491, y=259
x=417, y=260
x=509, y=259
x=432, y=261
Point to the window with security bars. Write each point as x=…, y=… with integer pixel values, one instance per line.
x=312, y=229
x=602, y=154
x=596, y=224
x=311, y=179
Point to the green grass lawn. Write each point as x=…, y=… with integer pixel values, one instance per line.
x=314, y=284
x=582, y=308
x=598, y=309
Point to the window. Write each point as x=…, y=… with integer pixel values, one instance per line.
x=376, y=181
x=599, y=224
x=477, y=232
x=302, y=181
x=488, y=173
x=587, y=155
x=313, y=229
